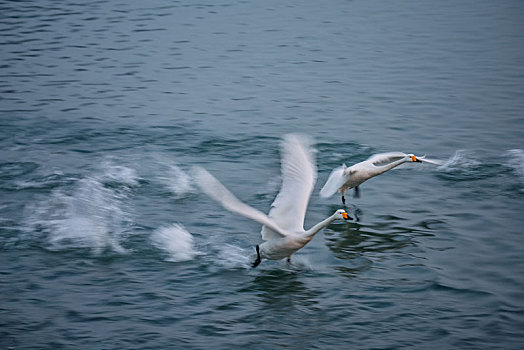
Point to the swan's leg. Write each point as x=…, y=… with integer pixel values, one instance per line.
x=288, y=260
x=258, y=260
x=356, y=194
x=343, y=200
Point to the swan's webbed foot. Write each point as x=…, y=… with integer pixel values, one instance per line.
x=343, y=200
x=258, y=260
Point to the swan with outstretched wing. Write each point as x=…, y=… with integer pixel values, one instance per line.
x=345, y=178
x=283, y=228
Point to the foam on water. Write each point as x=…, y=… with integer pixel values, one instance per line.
x=176, y=241
x=90, y=215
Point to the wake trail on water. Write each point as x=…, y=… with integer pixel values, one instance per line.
x=461, y=160
x=94, y=212
x=470, y=160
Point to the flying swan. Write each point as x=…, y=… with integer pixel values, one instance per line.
x=283, y=228
x=344, y=178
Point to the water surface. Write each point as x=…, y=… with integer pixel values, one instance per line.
x=107, y=243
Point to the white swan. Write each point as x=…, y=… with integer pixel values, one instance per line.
x=344, y=178
x=283, y=228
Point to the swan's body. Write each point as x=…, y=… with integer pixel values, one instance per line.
x=344, y=178
x=283, y=228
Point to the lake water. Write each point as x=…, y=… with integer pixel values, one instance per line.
x=106, y=242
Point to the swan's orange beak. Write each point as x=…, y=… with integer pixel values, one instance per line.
x=413, y=158
x=346, y=216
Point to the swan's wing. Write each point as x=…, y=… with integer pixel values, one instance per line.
x=213, y=188
x=381, y=159
x=335, y=181
x=299, y=174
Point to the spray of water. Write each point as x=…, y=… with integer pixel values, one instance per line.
x=231, y=256
x=91, y=214
x=177, y=181
x=176, y=241
x=461, y=160
x=515, y=160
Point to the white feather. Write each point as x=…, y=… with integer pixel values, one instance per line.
x=214, y=189
x=336, y=180
x=299, y=174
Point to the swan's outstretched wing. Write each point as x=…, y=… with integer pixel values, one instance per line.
x=335, y=181
x=299, y=174
x=213, y=188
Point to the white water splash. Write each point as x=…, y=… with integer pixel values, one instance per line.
x=231, y=256
x=90, y=215
x=516, y=162
x=176, y=241
x=118, y=173
x=461, y=160
x=171, y=175
x=178, y=182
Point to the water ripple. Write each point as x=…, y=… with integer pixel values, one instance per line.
x=105, y=105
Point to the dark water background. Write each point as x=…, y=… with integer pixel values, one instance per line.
x=105, y=242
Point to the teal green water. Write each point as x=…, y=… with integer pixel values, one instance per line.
x=106, y=243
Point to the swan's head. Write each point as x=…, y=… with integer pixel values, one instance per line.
x=414, y=158
x=342, y=215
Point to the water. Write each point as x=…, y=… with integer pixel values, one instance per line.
x=107, y=243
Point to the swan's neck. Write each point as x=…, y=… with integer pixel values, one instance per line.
x=315, y=229
x=391, y=165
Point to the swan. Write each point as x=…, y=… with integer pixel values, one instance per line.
x=283, y=228
x=344, y=178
